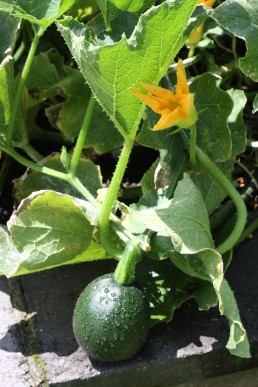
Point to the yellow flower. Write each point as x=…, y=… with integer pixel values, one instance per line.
x=196, y=35
x=175, y=108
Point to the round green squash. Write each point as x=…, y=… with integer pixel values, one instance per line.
x=111, y=322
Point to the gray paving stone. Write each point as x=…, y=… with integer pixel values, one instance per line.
x=14, y=368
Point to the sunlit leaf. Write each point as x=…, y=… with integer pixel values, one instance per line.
x=112, y=71
x=39, y=12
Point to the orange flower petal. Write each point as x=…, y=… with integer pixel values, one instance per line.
x=168, y=120
x=181, y=87
x=159, y=91
x=158, y=105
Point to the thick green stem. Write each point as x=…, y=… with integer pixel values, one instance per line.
x=82, y=137
x=22, y=81
x=110, y=198
x=125, y=270
x=219, y=176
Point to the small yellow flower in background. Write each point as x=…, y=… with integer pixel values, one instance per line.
x=196, y=35
x=175, y=108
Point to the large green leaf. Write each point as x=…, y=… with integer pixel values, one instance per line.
x=87, y=172
x=184, y=218
x=167, y=288
x=9, y=27
x=211, y=190
x=113, y=70
x=236, y=123
x=68, y=116
x=43, y=73
x=7, y=93
x=9, y=256
x=48, y=229
x=242, y=22
x=48, y=80
x=39, y=12
x=93, y=252
x=214, y=107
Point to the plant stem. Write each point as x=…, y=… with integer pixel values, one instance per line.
x=22, y=81
x=219, y=176
x=82, y=137
x=191, y=52
x=125, y=270
x=110, y=198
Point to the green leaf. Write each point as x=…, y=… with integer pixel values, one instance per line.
x=214, y=107
x=109, y=10
x=7, y=93
x=236, y=123
x=150, y=138
x=93, y=252
x=49, y=229
x=211, y=190
x=148, y=179
x=43, y=73
x=132, y=6
x=9, y=27
x=167, y=288
x=68, y=116
x=39, y=12
x=184, y=218
x=113, y=8
x=255, y=104
x=112, y=71
x=9, y=256
x=243, y=24
x=87, y=172
x=48, y=80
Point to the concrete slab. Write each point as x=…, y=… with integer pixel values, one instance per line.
x=14, y=368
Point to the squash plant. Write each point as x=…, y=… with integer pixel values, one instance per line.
x=122, y=50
